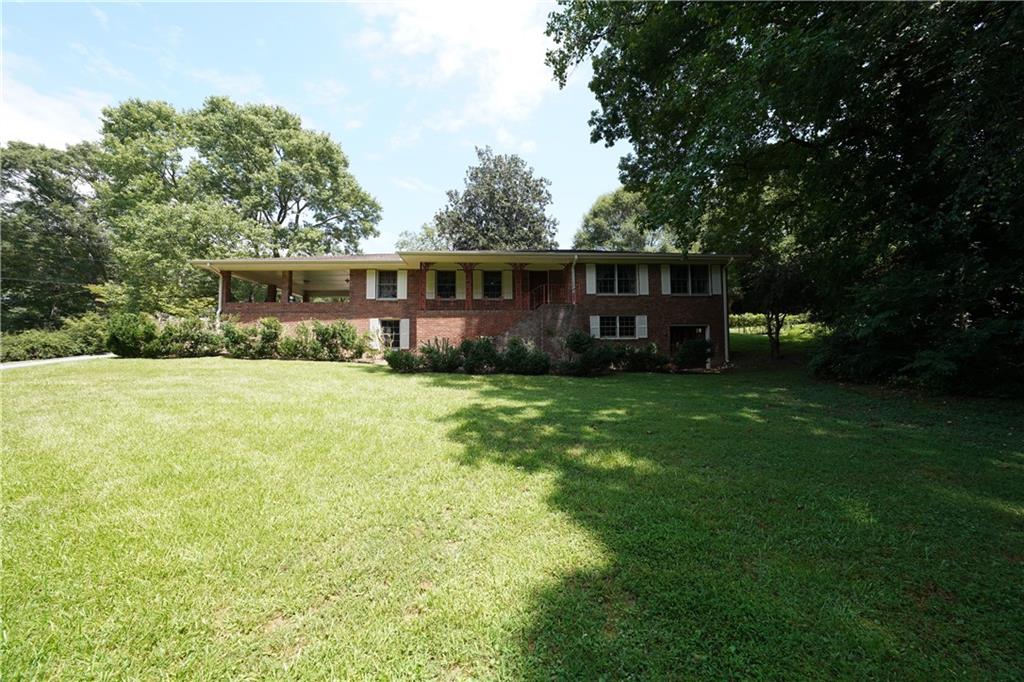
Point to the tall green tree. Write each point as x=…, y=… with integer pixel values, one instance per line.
x=224, y=180
x=52, y=242
x=896, y=126
x=502, y=207
x=614, y=223
x=425, y=239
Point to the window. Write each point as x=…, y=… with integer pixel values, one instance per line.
x=446, y=284
x=492, y=283
x=616, y=279
x=699, y=279
x=391, y=333
x=387, y=284
x=690, y=279
x=621, y=327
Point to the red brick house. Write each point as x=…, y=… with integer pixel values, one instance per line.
x=413, y=296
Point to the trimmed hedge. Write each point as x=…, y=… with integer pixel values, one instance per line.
x=84, y=335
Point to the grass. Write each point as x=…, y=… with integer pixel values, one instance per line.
x=215, y=518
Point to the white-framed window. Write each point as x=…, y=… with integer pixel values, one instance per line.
x=387, y=284
x=617, y=327
x=391, y=333
x=445, y=284
x=616, y=279
x=690, y=279
x=491, y=283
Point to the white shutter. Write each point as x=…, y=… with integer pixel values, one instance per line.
x=595, y=326
x=716, y=279
x=591, y=278
x=460, y=285
x=431, y=283
x=371, y=284
x=403, y=334
x=641, y=326
x=374, y=333
x=642, y=281
x=478, y=283
x=666, y=279
x=403, y=284
x=506, y=284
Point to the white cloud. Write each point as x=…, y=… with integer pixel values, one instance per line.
x=238, y=85
x=54, y=120
x=498, y=48
x=506, y=140
x=100, y=16
x=97, y=64
x=326, y=91
x=412, y=184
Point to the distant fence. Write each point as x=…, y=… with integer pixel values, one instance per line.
x=754, y=323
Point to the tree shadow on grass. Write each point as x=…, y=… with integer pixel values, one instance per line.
x=762, y=529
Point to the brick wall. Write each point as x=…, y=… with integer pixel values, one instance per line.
x=662, y=311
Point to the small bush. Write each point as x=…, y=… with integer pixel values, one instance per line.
x=128, y=334
x=239, y=341
x=37, y=344
x=519, y=358
x=692, y=354
x=643, y=359
x=439, y=355
x=189, y=337
x=269, y=331
x=578, y=341
x=479, y=356
x=402, y=361
x=337, y=341
x=88, y=331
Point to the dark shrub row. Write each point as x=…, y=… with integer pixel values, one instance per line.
x=134, y=336
x=83, y=335
x=588, y=357
x=473, y=356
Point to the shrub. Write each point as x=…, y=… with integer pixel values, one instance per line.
x=189, y=337
x=519, y=358
x=269, y=331
x=88, y=331
x=37, y=344
x=643, y=359
x=128, y=334
x=336, y=341
x=439, y=355
x=239, y=341
x=578, y=341
x=479, y=356
x=692, y=354
x=299, y=345
x=402, y=361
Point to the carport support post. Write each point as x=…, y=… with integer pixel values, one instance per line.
x=424, y=266
x=286, y=295
x=225, y=287
x=519, y=294
x=468, y=269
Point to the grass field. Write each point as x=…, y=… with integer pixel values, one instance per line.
x=216, y=518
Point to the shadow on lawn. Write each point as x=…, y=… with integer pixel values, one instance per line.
x=758, y=531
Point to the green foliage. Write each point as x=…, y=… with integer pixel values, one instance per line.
x=239, y=340
x=615, y=223
x=52, y=241
x=37, y=344
x=887, y=174
x=692, y=354
x=518, y=357
x=439, y=355
x=426, y=239
x=337, y=340
x=579, y=341
x=269, y=331
x=189, y=337
x=503, y=207
x=643, y=359
x=129, y=334
x=88, y=331
x=480, y=356
x=404, y=361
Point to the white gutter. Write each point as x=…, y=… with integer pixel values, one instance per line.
x=725, y=306
x=572, y=278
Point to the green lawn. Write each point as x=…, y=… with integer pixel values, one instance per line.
x=216, y=518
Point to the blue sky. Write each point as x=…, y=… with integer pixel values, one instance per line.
x=407, y=89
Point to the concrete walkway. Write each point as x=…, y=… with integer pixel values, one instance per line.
x=53, y=361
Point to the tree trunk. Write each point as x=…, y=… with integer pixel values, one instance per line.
x=773, y=325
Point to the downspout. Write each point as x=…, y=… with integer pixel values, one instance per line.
x=572, y=277
x=725, y=306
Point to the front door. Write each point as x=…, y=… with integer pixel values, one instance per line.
x=680, y=333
